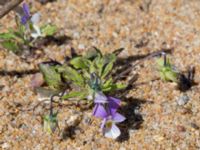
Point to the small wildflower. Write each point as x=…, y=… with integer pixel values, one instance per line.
x=109, y=126
x=100, y=100
x=106, y=109
x=27, y=15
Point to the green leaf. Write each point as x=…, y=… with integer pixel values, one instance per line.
x=166, y=71
x=48, y=30
x=120, y=86
x=51, y=76
x=107, y=83
x=7, y=36
x=114, y=87
x=93, y=53
x=71, y=74
x=107, y=70
x=80, y=63
x=109, y=58
x=168, y=74
x=92, y=68
x=73, y=94
x=50, y=123
x=12, y=46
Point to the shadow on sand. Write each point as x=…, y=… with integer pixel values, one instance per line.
x=134, y=119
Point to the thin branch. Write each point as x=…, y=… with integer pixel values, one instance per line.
x=8, y=7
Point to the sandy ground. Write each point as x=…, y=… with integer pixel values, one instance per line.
x=155, y=120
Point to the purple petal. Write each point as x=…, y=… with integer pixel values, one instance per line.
x=118, y=118
x=99, y=111
x=26, y=10
x=113, y=104
x=112, y=132
x=103, y=123
x=24, y=20
x=100, y=98
x=35, y=18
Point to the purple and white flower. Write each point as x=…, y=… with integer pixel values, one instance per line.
x=110, y=118
x=101, y=100
x=106, y=109
x=109, y=127
x=26, y=14
x=33, y=19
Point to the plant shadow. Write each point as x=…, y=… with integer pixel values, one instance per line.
x=130, y=59
x=124, y=65
x=58, y=40
x=186, y=80
x=46, y=1
x=69, y=132
x=134, y=119
x=19, y=74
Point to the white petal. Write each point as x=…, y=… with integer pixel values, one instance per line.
x=35, y=18
x=34, y=35
x=113, y=132
x=100, y=98
x=37, y=32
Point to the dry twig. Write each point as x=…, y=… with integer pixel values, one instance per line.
x=8, y=7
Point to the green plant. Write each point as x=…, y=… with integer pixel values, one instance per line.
x=88, y=74
x=166, y=70
x=27, y=32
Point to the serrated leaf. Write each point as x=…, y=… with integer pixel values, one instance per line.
x=51, y=76
x=114, y=87
x=108, y=58
x=98, y=64
x=75, y=94
x=107, y=83
x=72, y=75
x=12, y=46
x=109, y=61
x=92, y=68
x=7, y=36
x=80, y=63
x=120, y=86
x=107, y=70
x=48, y=30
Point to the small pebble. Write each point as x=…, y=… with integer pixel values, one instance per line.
x=181, y=128
x=81, y=46
x=74, y=119
x=122, y=148
x=158, y=138
x=182, y=100
x=5, y=146
x=193, y=125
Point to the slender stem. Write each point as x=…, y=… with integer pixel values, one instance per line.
x=51, y=105
x=131, y=66
x=165, y=58
x=8, y=7
x=51, y=101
